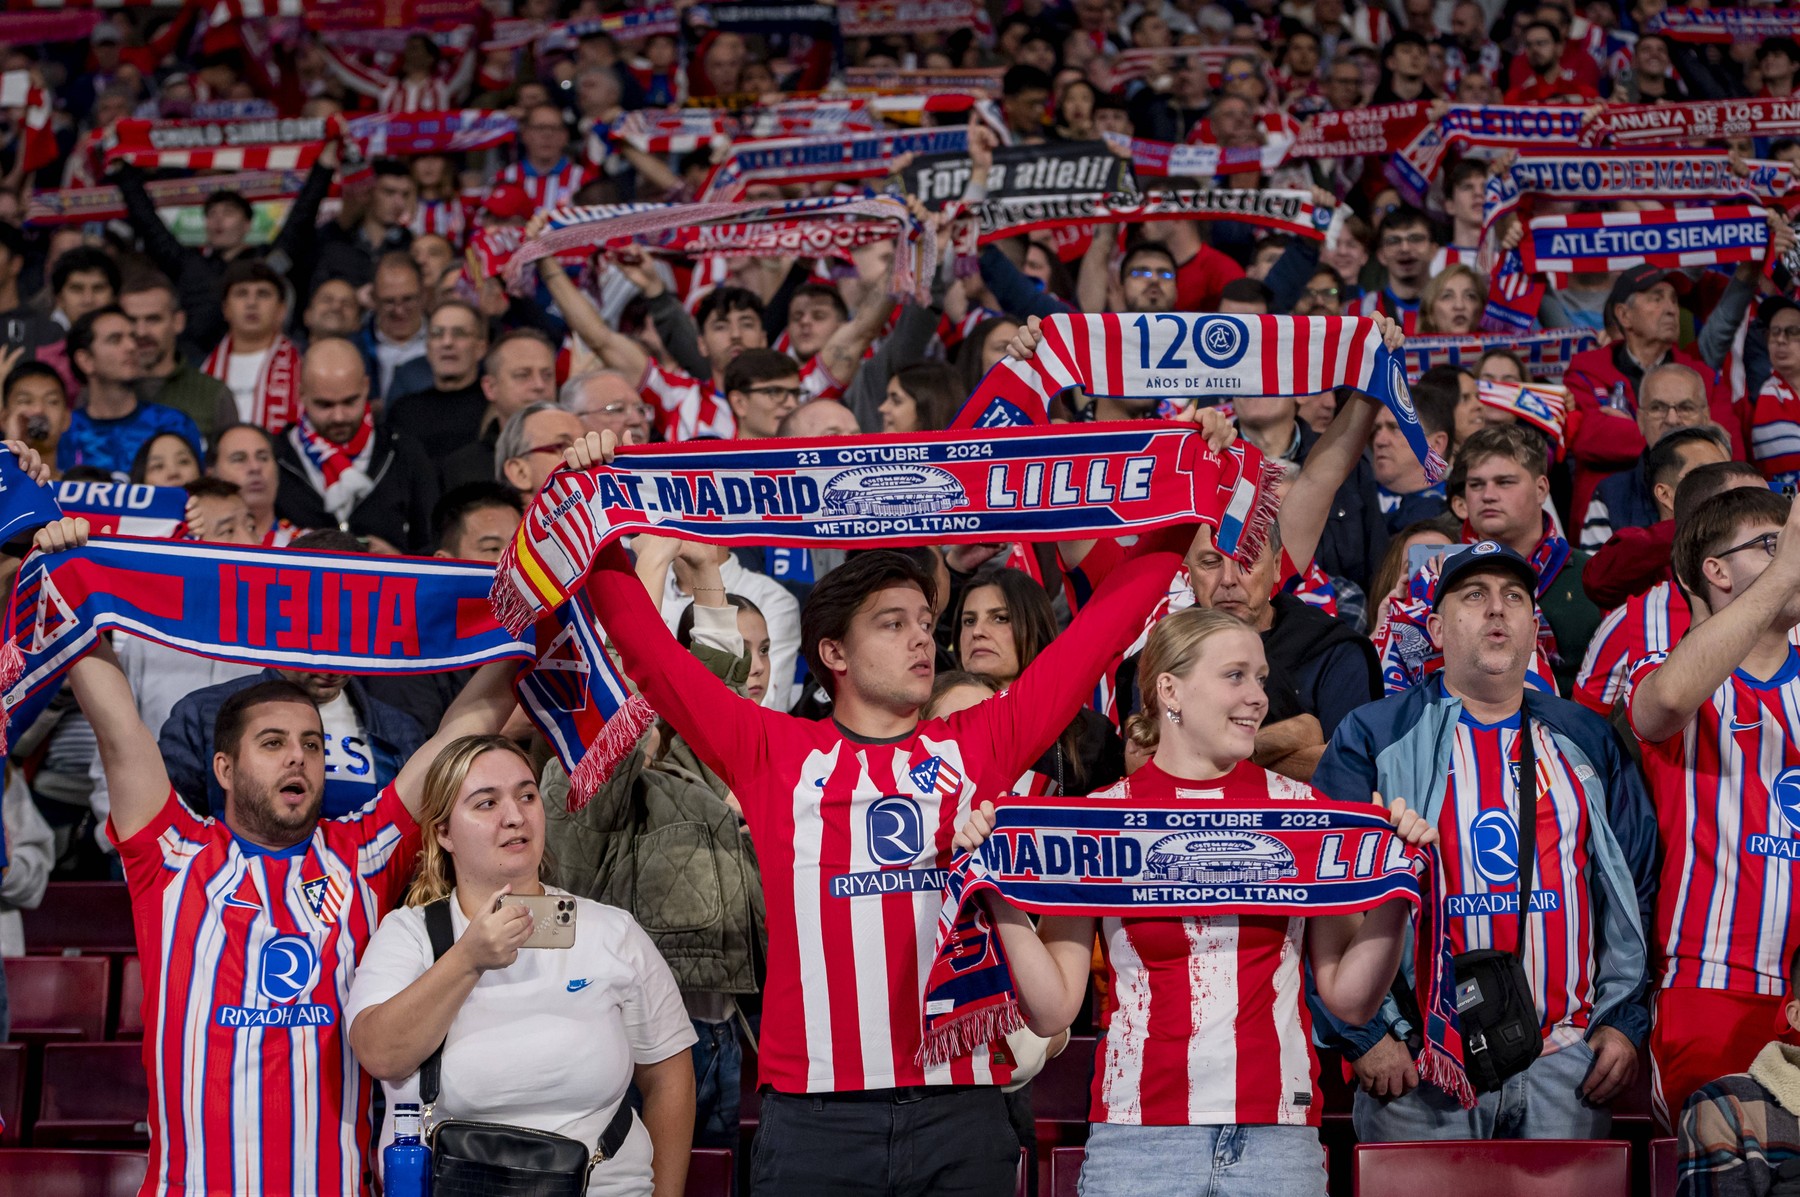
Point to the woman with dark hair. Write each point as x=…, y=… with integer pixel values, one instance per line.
x=985, y=345
x=921, y=398
x=166, y=459
x=1075, y=110
x=1003, y=621
x=1048, y=271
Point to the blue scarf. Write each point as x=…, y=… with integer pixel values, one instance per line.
x=1179, y=858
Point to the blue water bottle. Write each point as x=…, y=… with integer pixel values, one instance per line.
x=406, y=1162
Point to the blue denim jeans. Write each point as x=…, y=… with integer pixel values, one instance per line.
x=1543, y=1102
x=1203, y=1161
x=718, y=1069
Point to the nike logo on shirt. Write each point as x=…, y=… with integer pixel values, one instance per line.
x=578, y=985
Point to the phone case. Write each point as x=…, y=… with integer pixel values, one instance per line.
x=552, y=919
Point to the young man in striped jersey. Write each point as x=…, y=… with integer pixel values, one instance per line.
x=249, y=927
x=1719, y=719
x=852, y=819
x=1450, y=747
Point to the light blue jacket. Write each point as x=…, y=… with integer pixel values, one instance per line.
x=1402, y=746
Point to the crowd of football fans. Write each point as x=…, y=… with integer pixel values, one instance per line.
x=331, y=369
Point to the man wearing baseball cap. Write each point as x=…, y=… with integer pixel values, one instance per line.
x=1645, y=317
x=1642, y=314
x=1450, y=746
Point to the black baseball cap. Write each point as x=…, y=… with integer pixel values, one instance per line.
x=1638, y=279
x=1486, y=556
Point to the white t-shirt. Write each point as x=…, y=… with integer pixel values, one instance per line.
x=548, y=1043
x=350, y=773
x=242, y=372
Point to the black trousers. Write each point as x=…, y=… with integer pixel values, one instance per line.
x=939, y=1143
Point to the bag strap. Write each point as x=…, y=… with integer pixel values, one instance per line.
x=1527, y=821
x=443, y=937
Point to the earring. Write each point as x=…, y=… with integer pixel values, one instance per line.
x=1174, y=716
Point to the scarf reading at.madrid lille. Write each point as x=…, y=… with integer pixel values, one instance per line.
x=1181, y=354
x=908, y=489
x=929, y=488
x=1180, y=858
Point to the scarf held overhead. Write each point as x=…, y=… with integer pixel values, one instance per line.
x=1177, y=355
x=1179, y=859
x=896, y=491
x=1596, y=242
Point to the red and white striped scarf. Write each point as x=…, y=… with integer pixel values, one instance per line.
x=277, y=401
x=340, y=473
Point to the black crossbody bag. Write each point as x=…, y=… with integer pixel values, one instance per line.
x=1501, y=1031
x=489, y=1159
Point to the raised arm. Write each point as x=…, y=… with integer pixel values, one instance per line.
x=1307, y=505
x=843, y=351
x=725, y=729
x=134, y=768
x=1017, y=726
x=1666, y=700
x=482, y=709
x=618, y=351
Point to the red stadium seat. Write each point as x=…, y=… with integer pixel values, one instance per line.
x=1065, y=1170
x=131, y=999
x=1540, y=1167
x=57, y=997
x=1662, y=1168
x=12, y=1093
x=72, y=1173
x=93, y=1093
x=81, y=916
x=1061, y=1092
x=709, y=1172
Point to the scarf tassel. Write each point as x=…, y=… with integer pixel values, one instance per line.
x=511, y=610
x=963, y=1033
x=614, y=744
x=1438, y=1067
x=12, y=668
x=1255, y=536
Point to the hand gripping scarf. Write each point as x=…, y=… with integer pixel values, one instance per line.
x=1515, y=126
x=1540, y=404
x=1180, y=858
x=1596, y=242
x=80, y=205
x=917, y=488
x=26, y=505
x=1175, y=355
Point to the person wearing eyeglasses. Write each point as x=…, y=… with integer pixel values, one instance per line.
x=1718, y=720
x=1775, y=435
x=762, y=387
x=1404, y=246
x=336, y=469
x=605, y=401
x=531, y=445
x=447, y=414
x=1672, y=397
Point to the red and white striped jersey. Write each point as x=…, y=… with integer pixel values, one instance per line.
x=1727, y=795
x=686, y=407
x=1209, y=1020
x=1479, y=841
x=247, y=959
x=853, y=836
x=1386, y=303
x=1454, y=255
x=552, y=188
x=1775, y=434
x=406, y=95
x=447, y=218
x=1647, y=623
